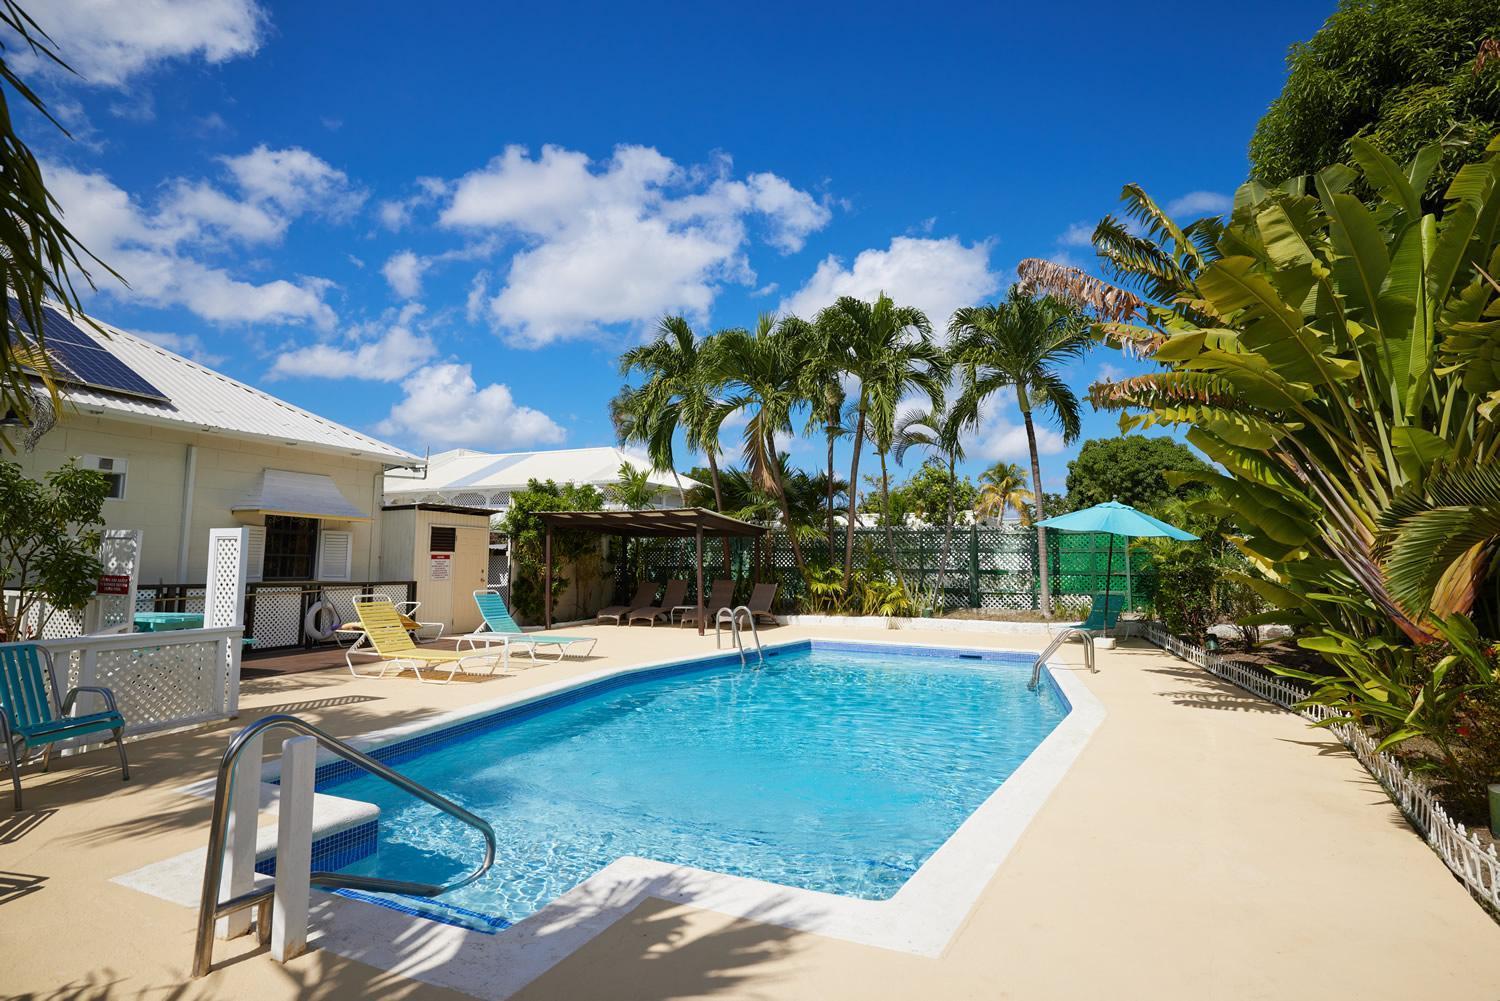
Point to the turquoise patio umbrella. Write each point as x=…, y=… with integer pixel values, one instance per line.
x=1113, y=518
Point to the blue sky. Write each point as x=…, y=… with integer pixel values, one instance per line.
x=441, y=223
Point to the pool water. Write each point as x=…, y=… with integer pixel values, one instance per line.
x=833, y=769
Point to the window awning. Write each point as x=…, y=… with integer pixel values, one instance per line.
x=299, y=495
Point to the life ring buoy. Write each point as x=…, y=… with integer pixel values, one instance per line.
x=322, y=621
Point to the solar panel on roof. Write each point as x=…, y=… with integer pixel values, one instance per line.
x=80, y=360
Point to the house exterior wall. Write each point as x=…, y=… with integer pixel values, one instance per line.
x=227, y=470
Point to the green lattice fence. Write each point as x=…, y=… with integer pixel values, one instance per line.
x=986, y=567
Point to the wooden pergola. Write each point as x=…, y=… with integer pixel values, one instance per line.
x=677, y=522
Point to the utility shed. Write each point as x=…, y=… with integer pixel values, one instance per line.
x=446, y=550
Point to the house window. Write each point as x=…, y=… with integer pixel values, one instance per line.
x=113, y=470
x=291, y=547
x=444, y=539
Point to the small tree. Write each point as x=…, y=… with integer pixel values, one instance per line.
x=528, y=534
x=49, y=543
x=1131, y=470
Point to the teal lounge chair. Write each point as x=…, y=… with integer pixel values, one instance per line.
x=1104, y=612
x=500, y=627
x=32, y=717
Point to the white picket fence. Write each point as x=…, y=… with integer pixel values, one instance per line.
x=1477, y=866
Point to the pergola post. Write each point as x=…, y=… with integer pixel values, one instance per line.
x=698, y=538
x=547, y=578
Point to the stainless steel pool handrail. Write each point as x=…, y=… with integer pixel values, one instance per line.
x=211, y=908
x=1057, y=641
x=754, y=633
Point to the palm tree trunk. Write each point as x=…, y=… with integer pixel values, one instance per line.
x=1036, y=483
x=713, y=472
x=786, y=507
x=830, y=432
x=859, y=440
x=885, y=512
x=947, y=532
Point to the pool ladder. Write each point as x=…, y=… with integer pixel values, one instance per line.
x=732, y=616
x=1057, y=641
x=211, y=908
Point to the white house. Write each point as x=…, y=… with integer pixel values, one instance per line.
x=487, y=480
x=189, y=449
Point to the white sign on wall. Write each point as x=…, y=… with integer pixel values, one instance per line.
x=440, y=566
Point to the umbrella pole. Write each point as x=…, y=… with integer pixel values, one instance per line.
x=1109, y=555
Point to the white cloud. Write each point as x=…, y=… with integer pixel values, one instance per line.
x=1109, y=372
x=1080, y=234
x=998, y=439
x=294, y=181
x=936, y=276
x=109, y=41
x=1196, y=204
x=161, y=252
x=621, y=241
x=395, y=354
x=479, y=291
x=404, y=272
x=396, y=213
x=444, y=406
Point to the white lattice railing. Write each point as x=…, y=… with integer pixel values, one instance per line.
x=1477, y=866
x=160, y=680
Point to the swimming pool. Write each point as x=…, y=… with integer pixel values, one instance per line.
x=837, y=768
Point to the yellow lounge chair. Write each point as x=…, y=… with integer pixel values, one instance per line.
x=385, y=632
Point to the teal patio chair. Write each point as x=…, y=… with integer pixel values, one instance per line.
x=32, y=717
x=499, y=627
x=1104, y=612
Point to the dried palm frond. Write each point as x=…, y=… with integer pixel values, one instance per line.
x=1106, y=301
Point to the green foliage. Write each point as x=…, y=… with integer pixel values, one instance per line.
x=1002, y=487
x=1402, y=74
x=1185, y=582
x=872, y=589
x=1130, y=469
x=930, y=493
x=633, y=490
x=49, y=539
x=572, y=551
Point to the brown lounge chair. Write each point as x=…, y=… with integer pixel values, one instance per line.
x=760, y=603
x=644, y=592
x=675, y=591
x=721, y=596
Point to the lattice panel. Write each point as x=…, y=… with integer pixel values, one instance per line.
x=986, y=567
x=278, y=616
x=226, y=577
x=155, y=686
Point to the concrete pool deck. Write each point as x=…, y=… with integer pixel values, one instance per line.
x=1203, y=845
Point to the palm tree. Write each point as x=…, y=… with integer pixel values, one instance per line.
x=679, y=393
x=634, y=490
x=760, y=373
x=890, y=350
x=822, y=387
x=942, y=433
x=1018, y=344
x=1003, y=486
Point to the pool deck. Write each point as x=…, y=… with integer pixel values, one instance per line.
x=1203, y=845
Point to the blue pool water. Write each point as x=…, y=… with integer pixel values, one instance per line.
x=830, y=768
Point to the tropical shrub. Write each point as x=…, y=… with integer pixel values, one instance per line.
x=575, y=553
x=1184, y=599
x=1342, y=364
x=49, y=542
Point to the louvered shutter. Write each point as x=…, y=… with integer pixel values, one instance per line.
x=334, y=551
x=255, y=554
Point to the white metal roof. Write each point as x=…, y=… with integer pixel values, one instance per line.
x=205, y=400
x=484, y=478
